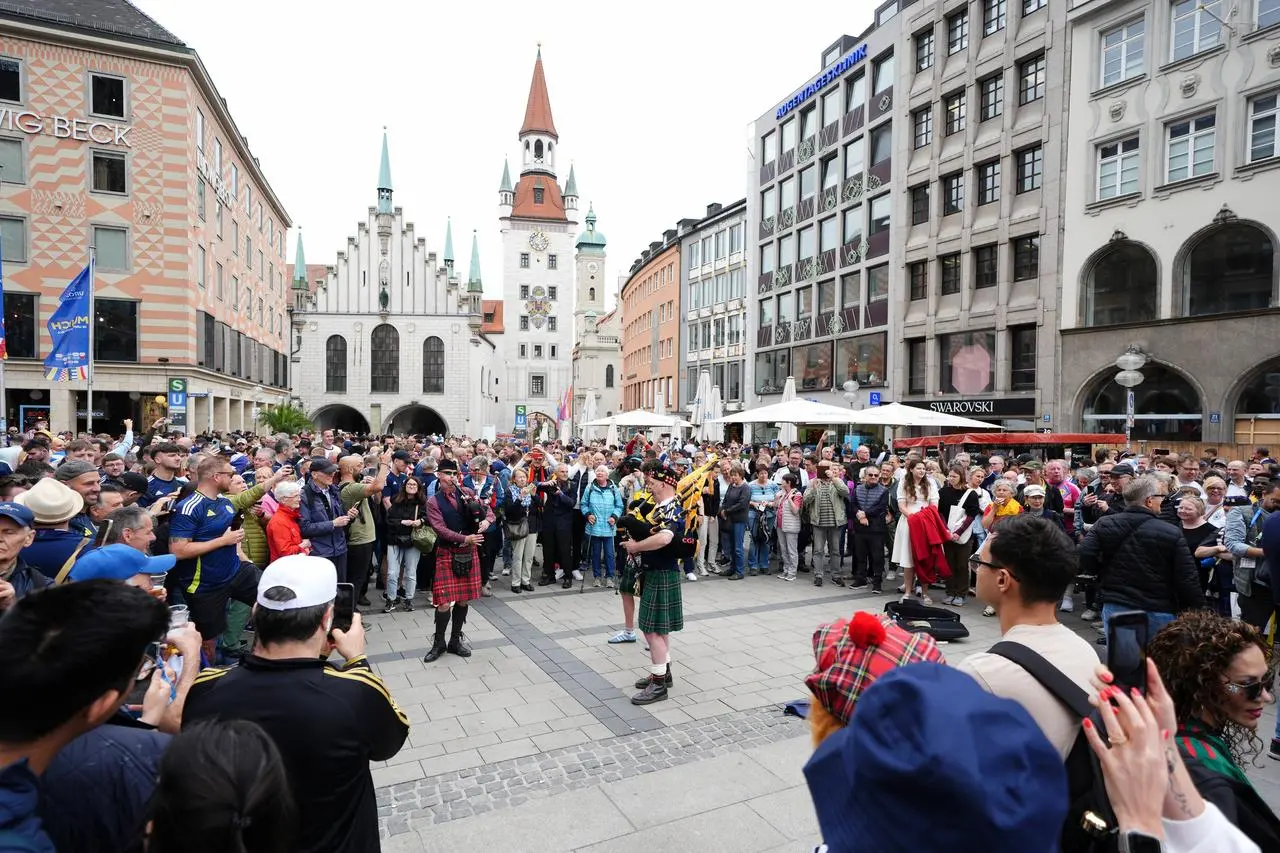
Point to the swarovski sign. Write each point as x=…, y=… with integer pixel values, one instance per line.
x=61, y=127
x=999, y=407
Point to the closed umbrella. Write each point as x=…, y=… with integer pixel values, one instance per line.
x=787, y=431
x=715, y=409
x=611, y=437
x=545, y=435
x=587, y=415
x=700, y=413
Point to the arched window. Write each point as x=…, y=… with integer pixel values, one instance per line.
x=1262, y=395
x=1229, y=269
x=1122, y=286
x=433, y=366
x=608, y=376
x=1166, y=406
x=384, y=361
x=537, y=150
x=591, y=294
x=335, y=365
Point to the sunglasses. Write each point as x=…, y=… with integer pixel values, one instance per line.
x=1251, y=689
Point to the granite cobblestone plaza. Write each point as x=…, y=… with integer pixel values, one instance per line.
x=534, y=737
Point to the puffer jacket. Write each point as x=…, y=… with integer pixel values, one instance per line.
x=316, y=520
x=1142, y=562
x=602, y=503
x=255, y=530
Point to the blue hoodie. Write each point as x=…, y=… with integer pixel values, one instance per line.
x=20, y=826
x=602, y=503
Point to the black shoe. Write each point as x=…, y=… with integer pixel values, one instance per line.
x=406, y=605
x=818, y=581
x=458, y=646
x=875, y=590
x=389, y=606
x=364, y=601
x=438, y=648
x=733, y=576
x=856, y=584
x=804, y=570
x=655, y=690
x=838, y=581
x=567, y=583
x=668, y=681
x=545, y=581
x=526, y=587
x=516, y=588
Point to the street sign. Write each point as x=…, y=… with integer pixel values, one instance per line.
x=522, y=417
x=875, y=398
x=1047, y=418
x=178, y=404
x=1215, y=417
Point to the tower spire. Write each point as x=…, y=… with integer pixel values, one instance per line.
x=300, y=265
x=384, y=177
x=448, y=243
x=505, y=186
x=537, y=113
x=473, y=277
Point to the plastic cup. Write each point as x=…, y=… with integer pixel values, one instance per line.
x=158, y=579
x=179, y=615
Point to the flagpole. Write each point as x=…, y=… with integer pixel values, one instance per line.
x=4, y=396
x=88, y=415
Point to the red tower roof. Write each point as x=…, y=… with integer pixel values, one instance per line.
x=537, y=113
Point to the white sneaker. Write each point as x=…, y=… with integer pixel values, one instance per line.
x=577, y=575
x=595, y=584
x=559, y=574
x=1089, y=615
x=623, y=636
x=506, y=572
x=1067, y=605
x=891, y=576
x=608, y=582
x=690, y=576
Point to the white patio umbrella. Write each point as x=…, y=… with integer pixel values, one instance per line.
x=901, y=415
x=787, y=430
x=642, y=419
x=587, y=414
x=715, y=409
x=611, y=438
x=700, y=413
x=793, y=412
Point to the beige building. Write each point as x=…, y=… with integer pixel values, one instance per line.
x=1170, y=227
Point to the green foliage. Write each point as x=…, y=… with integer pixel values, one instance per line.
x=285, y=418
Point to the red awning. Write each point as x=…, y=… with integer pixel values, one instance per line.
x=1006, y=439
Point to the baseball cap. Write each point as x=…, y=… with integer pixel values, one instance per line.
x=119, y=562
x=17, y=513
x=322, y=465
x=1032, y=465
x=1124, y=469
x=133, y=481
x=1033, y=492
x=312, y=580
x=402, y=455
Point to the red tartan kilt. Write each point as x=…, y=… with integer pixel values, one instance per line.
x=449, y=587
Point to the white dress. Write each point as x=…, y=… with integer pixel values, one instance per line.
x=902, y=536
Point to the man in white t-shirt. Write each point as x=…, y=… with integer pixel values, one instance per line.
x=1022, y=569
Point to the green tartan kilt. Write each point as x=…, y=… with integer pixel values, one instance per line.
x=661, y=608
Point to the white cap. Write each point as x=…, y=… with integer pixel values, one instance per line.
x=313, y=580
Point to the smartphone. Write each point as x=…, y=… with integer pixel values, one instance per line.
x=1127, y=649
x=344, y=606
x=238, y=521
x=104, y=530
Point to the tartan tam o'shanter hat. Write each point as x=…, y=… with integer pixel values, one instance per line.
x=852, y=654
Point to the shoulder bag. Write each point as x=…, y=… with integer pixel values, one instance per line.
x=423, y=537
x=71, y=561
x=956, y=516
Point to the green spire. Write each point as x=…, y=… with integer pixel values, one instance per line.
x=571, y=185
x=591, y=241
x=506, y=178
x=300, y=265
x=384, y=177
x=473, y=278
x=448, y=242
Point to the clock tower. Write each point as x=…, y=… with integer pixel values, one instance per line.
x=537, y=219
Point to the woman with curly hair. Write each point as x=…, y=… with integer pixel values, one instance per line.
x=1218, y=672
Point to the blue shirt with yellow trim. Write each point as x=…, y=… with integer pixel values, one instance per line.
x=203, y=519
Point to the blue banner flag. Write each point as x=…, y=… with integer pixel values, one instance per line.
x=69, y=329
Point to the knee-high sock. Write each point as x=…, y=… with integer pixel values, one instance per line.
x=459, y=618
x=442, y=624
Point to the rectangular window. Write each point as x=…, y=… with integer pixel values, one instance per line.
x=524, y=291
x=1122, y=52
x=993, y=16
x=919, y=204
x=769, y=147
x=882, y=74
x=13, y=239
x=235, y=181
x=110, y=173
x=552, y=292
x=786, y=199
x=1030, y=168
x=1196, y=27
x=553, y=351
x=1262, y=127
x=954, y=107
x=986, y=266
x=217, y=280
x=1029, y=6
x=958, y=32
x=967, y=361
x=767, y=254
x=201, y=265
x=551, y=324
x=537, y=385
x=735, y=238
x=524, y=322
x=115, y=330
x=235, y=237
x=916, y=366
x=830, y=180
x=10, y=80
x=537, y=350
x=1118, y=168
x=826, y=297
x=952, y=193
x=112, y=249
x=1026, y=257
x=851, y=290
x=106, y=96
x=808, y=186
x=855, y=93
x=788, y=135
x=787, y=250
x=721, y=245
x=924, y=49
x=808, y=122
x=1022, y=358
x=524, y=350
x=861, y=359
x=199, y=131
x=524, y=260
x=855, y=157
x=918, y=276
x=922, y=126
x=1268, y=13
x=553, y=262
x=852, y=225
x=766, y=209
x=13, y=165
x=827, y=233
x=217, y=155
x=878, y=283
x=235, y=295
x=881, y=143
x=808, y=243
x=988, y=182
x=881, y=209
x=1032, y=76
x=832, y=107
x=991, y=96
x=20, y=318
x=949, y=273
x=1190, y=148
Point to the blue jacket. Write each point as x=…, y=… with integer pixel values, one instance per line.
x=602, y=503
x=19, y=818
x=315, y=521
x=1271, y=547
x=26, y=580
x=51, y=549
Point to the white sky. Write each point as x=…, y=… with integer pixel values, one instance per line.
x=653, y=108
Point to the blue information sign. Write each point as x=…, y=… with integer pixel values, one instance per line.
x=875, y=398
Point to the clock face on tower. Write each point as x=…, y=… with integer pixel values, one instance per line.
x=538, y=240
x=593, y=267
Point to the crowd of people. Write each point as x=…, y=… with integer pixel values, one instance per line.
x=217, y=562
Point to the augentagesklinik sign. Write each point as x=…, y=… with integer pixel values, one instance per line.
x=857, y=55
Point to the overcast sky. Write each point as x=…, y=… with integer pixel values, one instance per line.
x=653, y=107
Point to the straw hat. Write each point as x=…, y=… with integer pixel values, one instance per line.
x=51, y=502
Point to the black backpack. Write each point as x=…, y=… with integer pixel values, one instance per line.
x=1090, y=826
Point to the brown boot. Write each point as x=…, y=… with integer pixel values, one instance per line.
x=655, y=690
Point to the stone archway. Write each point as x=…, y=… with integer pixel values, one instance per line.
x=1168, y=405
x=340, y=416
x=416, y=419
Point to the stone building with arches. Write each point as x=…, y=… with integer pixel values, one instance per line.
x=390, y=337
x=1169, y=221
